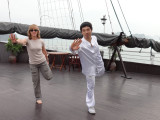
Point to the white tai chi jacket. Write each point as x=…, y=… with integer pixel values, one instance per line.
x=90, y=57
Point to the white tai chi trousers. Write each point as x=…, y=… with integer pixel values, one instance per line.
x=90, y=100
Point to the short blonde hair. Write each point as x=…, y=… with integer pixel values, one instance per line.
x=33, y=26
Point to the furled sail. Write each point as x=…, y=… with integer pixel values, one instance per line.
x=142, y=43
x=50, y=32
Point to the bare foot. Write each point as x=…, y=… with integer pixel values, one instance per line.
x=39, y=101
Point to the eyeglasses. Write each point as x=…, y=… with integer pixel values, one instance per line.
x=33, y=30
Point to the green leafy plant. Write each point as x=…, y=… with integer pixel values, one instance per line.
x=14, y=48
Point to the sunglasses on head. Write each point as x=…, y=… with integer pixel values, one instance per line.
x=33, y=30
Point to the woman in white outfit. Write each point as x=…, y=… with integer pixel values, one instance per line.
x=91, y=61
x=38, y=58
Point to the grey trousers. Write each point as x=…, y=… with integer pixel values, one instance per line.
x=35, y=71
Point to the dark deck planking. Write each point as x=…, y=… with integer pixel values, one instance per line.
x=64, y=96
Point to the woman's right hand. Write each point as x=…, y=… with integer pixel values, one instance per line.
x=13, y=38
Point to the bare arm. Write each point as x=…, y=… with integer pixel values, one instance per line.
x=45, y=53
x=15, y=40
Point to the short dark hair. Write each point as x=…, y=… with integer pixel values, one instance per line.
x=84, y=24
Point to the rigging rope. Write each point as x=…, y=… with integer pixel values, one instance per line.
x=117, y=16
x=56, y=13
x=48, y=14
x=71, y=14
x=109, y=17
x=61, y=15
x=65, y=16
x=124, y=18
x=39, y=7
x=9, y=11
x=67, y=26
x=80, y=10
x=43, y=13
x=52, y=14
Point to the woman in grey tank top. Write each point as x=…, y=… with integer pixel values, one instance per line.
x=38, y=59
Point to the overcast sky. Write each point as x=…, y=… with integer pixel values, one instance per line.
x=142, y=15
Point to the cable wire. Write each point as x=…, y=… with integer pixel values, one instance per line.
x=124, y=18
x=9, y=11
x=117, y=16
x=109, y=17
x=80, y=10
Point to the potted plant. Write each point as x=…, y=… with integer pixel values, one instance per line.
x=15, y=49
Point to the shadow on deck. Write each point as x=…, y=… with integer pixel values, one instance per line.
x=64, y=96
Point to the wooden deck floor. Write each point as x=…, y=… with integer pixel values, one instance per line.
x=64, y=96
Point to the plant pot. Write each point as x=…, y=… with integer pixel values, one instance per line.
x=113, y=66
x=12, y=59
